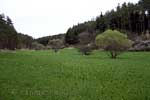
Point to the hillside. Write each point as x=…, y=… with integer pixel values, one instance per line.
x=129, y=18
x=46, y=39
x=132, y=19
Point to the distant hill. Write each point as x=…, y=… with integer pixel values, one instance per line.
x=46, y=39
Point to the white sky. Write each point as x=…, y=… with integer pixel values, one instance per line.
x=48, y=17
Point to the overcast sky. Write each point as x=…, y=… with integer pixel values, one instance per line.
x=48, y=17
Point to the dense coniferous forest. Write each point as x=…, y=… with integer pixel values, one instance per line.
x=132, y=19
x=8, y=34
x=10, y=38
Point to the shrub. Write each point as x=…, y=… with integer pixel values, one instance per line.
x=56, y=44
x=113, y=42
x=85, y=49
x=37, y=46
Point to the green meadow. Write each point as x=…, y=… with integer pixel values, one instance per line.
x=69, y=75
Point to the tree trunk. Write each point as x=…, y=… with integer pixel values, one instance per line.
x=113, y=55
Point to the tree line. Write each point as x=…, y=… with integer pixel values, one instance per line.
x=8, y=34
x=129, y=17
x=10, y=38
x=134, y=19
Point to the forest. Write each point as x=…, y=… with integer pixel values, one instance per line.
x=132, y=19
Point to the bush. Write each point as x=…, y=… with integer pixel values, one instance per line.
x=37, y=46
x=113, y=42
x=56, y=44
x=85, y=49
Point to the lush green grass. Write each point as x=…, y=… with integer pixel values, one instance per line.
x=67, y=75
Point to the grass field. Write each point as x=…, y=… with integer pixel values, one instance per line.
x=67, y=75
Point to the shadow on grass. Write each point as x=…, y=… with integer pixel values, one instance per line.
x=105, y=56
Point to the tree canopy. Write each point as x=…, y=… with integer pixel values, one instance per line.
x=113, y=42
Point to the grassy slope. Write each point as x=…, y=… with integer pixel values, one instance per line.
x=43, y=75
